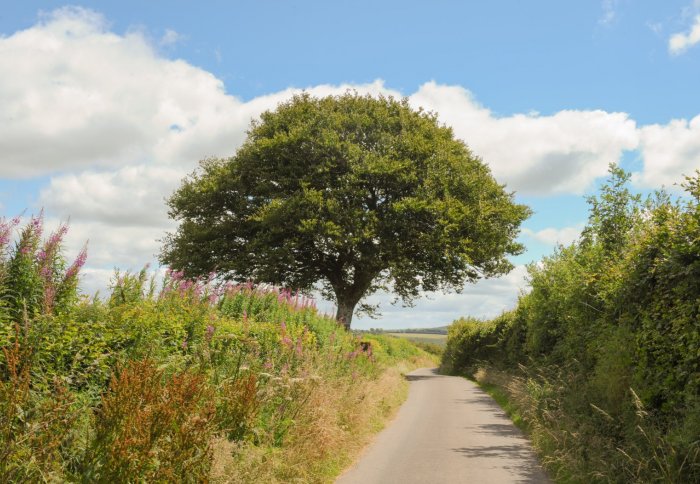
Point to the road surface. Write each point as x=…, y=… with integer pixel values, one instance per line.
x=448, y=430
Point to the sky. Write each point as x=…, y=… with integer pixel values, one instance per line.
x=106, y=106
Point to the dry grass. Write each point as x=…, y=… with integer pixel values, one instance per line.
x=339, y=420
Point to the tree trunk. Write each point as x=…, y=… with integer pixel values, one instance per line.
x=344, y=314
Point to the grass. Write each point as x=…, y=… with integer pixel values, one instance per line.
x=438, y=339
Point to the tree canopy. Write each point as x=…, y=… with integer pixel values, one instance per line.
x=352, y=192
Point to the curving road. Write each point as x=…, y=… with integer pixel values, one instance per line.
x=448, y=430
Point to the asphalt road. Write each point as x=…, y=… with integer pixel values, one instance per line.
x=448, y=430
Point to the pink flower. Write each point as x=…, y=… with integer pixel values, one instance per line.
x=78, y=264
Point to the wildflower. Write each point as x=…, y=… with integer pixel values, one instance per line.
x=37, y=224
x=45, y=272
x=210, y=332
x=77, y=264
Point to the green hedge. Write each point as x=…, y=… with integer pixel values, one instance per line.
x=618, y=312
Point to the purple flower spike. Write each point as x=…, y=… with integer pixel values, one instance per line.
x=78, y=264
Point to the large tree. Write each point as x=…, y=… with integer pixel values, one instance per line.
x=354, y=192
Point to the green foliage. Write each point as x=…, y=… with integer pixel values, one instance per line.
x=321, y=191
x=617, y=313
x=472, y=341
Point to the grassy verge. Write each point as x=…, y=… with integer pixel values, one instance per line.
x=496, y=385
x=339, y=422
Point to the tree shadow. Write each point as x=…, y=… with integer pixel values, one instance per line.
x=481, y=399
x=433, y=374
x=524, y=467
x=503, y=430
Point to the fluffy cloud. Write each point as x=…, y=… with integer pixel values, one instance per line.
x=75, y=95
x=132, y=195
x=609, y=12
x=561, y=153
x=682, y=41
x=554, y=236
x=670, y=150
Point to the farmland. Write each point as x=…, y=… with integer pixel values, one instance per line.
x=431, y=338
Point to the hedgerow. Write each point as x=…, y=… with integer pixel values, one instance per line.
x=167, y=384
x=604, y=352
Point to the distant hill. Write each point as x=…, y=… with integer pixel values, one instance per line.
x=438, y=330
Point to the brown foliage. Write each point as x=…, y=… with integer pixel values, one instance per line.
x=153, y=428
x=33, y=426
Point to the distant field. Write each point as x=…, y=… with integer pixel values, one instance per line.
x=438, y=339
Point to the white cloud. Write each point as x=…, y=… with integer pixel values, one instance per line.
x=669, y=151
x=682, y=41
x=75, y=95
x=535, y=154
x=132, y=196
x=555, y=236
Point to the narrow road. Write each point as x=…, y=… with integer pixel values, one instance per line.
x=448, y=430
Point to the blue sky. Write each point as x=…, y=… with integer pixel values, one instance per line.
x=547, y=92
